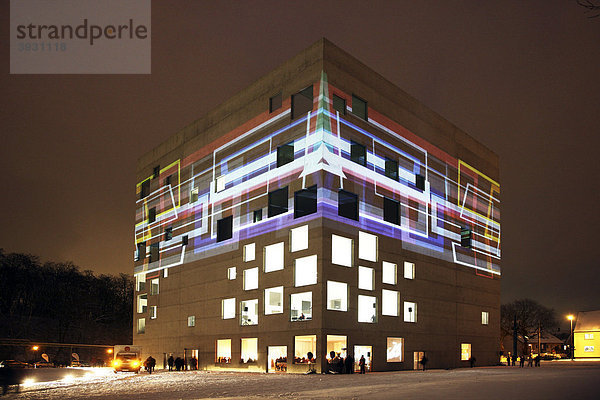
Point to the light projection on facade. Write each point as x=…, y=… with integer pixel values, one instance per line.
x=268, y=173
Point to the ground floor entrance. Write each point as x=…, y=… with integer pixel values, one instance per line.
x=367, y=352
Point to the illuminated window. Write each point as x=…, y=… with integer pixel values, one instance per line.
x=249, y=252
x=388, y=270
x=145, y=189
x=358, y=153
x=365, y=278
x=278, y=202
x=194, y=195
x=339, y=104
x=367, y=246
x=257, y=215
x=410, y=312
x=142, y=303
x=305, y=348
x=249, y=311
x=140, y=280
x=391, y=211
x=341, y=250
x=251, y=278
x=359, y=107
x=249, y=350
x=168, y=233
x=225, y=228
x=465, y=237
x=299, y=238
x=154, y=286
x=302, y=102
x=391, y=169
x=337, y=296
x=588, y=336
x=231, y=273
x=347, y=205
x=223, y=351
x=191, y=321
x=152, y=214
x=337, y=344
x=390, y=299
x=305, y=271
x=485, y=318
x=301, y=306
x=285, y=154
x=228, y=308
x=465, y=351
x=273, y=257
x=274, y=300
x=275, y=102
x=305, y=202
x=156, y=172
x=153, y=310
x=166, y=273
x=395, y=349
x=409, y=270
x=220, y=184
x=367, y=309
x=141, y=328
x=154, y=252
x=420, y=182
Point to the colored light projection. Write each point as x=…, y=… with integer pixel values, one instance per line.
x=438, y=195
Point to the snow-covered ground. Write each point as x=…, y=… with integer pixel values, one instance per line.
x=554, y=380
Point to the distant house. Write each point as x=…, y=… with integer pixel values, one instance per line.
x=587, y=334
x=550, y=344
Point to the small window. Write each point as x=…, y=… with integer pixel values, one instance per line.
x=390, y=300
x=257, y=215
x=251, y=278
x=156, y=172
x=391, y=169
x=249, y=350
x=395, y=349
x=142, y=303
x=145, y=189
x=365, y=278
x=359, y=107
x=305, y=202
x=223, y=355
x=249, y=252
x=184, y=240
x=278, y=202
x=465, y=237
x=389, y=273
x=168, y=180
x=367, y=309
x=409, y=270
x=420, y=182
x=341, y=250
x=274, y=300
x=220, y=184
x=141, y=251
x=194, y=195
x=347, y=205
x=191, y=321
x=305, y=271
x=154, y=253
x=285, y=154
x=225, y=229
x=299, y=238
x=140, y=281
x=301, y=306
x=367, y=246
x=152, y=215
x=485, y=318
x=153, y=311
x=275, y=102
x=588, y=336
x=410, y=312
x=465, y=351
x=337, y=296
x=274, y=257
x=168, y=233
x=249, y=312
x=154, y=286
x=141, y=328
x=305, y=348
x=302, y=102
x=166, y=273
x=228, y=308
x=358, y=153
x=391, y=211
x=231, y=273
x=339, y=104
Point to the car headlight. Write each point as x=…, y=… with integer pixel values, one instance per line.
x=135, y=363
x=116, y=363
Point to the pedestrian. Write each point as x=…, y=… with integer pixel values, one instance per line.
x=147, y=365
x=472, y=361
x=193, y=363
x=530, y=360
x=424, y=361
x=152, y=364
x=171, y=362
x=514, y=359
x=362, y=363
x=349, y=364
x=178, y=364
x=537, y=360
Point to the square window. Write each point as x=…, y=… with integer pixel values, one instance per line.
x=347, y=205
x=465, y=351
x=285, y=154
x=228, y=308
x=145, y=189
x=278, y=202
x=336, y=344
x=231, y=273
x=390, y=300
x=367, y=246
x=194, y=195
x=420, y=182
x=301, y=306
x=465, y=237
x=153, y=310
x=395, y=349
x=141, y=328
x=191, y=321
x=359, y=107
x=249, y=312
x=367, y=309
x=274, y=300
x=302, y=102
x=409, y=270
x=220, y=184
x=358, y=153
x=249, y=350
x=305, y=202
x=274, y=257
x=339, y=104
x=168, y=233
x=257, y=215
x=341, y=250
x=142, y=303
x=223, y=351
x=388, y=274
x=410, y=312
x=154, y=286
x=365, y=278
x=305, y=271
x=391, y=169
x=152, y=215
x=391, y=211
x=275, y=102
x=225, y=228
x=299, y=238
x=249, y=252
x=156, y=172
x=251, y=278
x=485, y=318
x=305, y=348
x=337, y=296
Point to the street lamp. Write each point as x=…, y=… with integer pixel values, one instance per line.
x=570, y=317
x=35, y=348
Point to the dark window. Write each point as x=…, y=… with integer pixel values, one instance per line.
x=339, y=104
x=348, y=205
x=168, y=180
x=258, y=215
x=285, y=154
x=152, y=214
x=141, y=251
x=420, y=182
x=145, y=189
x=169, y=233
x=154, y=252
x=184, y=240
x=156, y=172
x=302, y=102
x=391, y=169
x=194, y=196
x=358, y=153
x=359, y=107
x=225, y=228
x=275, y=102
x=278, y=202
x=305, y=201
x=391, y=210
x=465, y=237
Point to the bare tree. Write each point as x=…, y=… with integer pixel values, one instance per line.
x=592, y=7
x=531, y=316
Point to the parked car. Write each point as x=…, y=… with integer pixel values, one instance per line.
x=14, y=364
x=44, y=364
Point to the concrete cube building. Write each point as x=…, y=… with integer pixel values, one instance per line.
x=322, y=212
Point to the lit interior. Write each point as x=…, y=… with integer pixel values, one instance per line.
x=224, y=350
x=395, y=349
x=341, y=250
x=274, y=300
x=274, y=257
x=390, y=300
x=249, y=349
x=365, y=278
x=337, y=344
x=301, y=306
x=388, y=272
x=305, y=271
x=367, y=309
x=228, y=308
x=410, y=311
x=249, y=252
x=249, y=311
x=299, y=238
x=367, y=246
x=303, y=345
x=337, y=296
x=251, y=278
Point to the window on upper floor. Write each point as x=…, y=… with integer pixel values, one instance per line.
x=274, y=257
x=358, y=153
x=301, y=306
x=154, y=286
x=305, y=201
x=228, y=308
x=249, y=252
x=152, y=214
x=285, y=154
x=391, y=169
x=257, y=215
x=145, y=189
x=409, y=270
x=142, y=303
x=388, y=273
x=225, y=228
x=191, y=321
x=390, y=301
x=410, y=311
x=275, y=102
x=274, y=300
x=168, y=233
x=391, y=211
x=339, y=104
x=251, y=278
x=420, y=182
x=485, y=318
x=299, y=238
x=359, y=107
x=153, y=312
x=302, y=102
x=305, y=271
x=337, y=296
x=367, y=309
x=465, y=237
x=249, y=312
x=367, y=246
x=141, y=328
x=341, y=250
x=278, y=202
x=347, y=204
x=231, y=273
x=156, y=172
x=366, y=277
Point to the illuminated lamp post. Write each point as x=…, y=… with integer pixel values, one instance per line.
x=570, y=317
x=109, y=352
x=35, y=348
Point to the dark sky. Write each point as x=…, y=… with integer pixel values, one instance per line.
x=520, y=77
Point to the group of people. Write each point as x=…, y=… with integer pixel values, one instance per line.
x=178, y=364
x=531, y=360
x=340, y=365
x=149, y=364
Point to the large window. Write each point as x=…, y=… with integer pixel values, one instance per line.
x=305, y=201
x=145, y=189
x=228, y=308
x=223, y=351
x=249, y=252
x=274, y=257
x=302, y=102
x=485, y=318
x=285, y=154
x=337, y=296
x=395, y=349
x=410, y=311
x=140, y=280
x=301, y=306
x=390, y=300
x=409, y=270
x=278, y=202
x=225, y=228
x=249, y=312
x=305, y=271
x=347, y=205
x=358, y=153
x=367, y=309
x=220, y=184
x=251, y=278
x=249, y=350
x=388, y=272
x=465, y=351
x=305, y=348
x=299, y=238
x=367, y=246
x=154, y=252
x=359, y=107
x=341, y=250
x=337, y=344
x=366, y=278
x=152, y=214
x=141, y=328
x=274, y=300
x=391, y=211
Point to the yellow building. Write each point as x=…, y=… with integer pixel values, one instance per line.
x=587, y=334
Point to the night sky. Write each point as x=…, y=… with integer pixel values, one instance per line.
x=520, y=77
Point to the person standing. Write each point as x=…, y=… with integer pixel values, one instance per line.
x=171, y=362
x=362, y=363
x=424, y=361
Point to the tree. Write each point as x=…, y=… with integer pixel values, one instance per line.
x=592, y=6
x=531, y=316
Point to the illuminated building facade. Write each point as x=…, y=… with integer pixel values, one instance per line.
x=321, y=209
x=587, y=334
